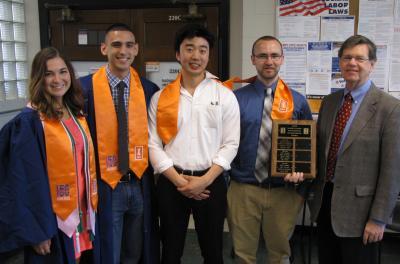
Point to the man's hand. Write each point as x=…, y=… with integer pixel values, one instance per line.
x=373, y=232
x=195, y=187
x=43, y=248
x=294, y=177
x=177, y=179
x=202, y=196
x=180, y=181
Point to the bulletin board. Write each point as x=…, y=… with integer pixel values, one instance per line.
x=312, y=37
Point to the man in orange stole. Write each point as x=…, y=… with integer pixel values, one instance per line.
x=116, y=104
x=194, y=134
x=257, y=201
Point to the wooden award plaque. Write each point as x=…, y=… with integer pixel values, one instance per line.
x=293, y=147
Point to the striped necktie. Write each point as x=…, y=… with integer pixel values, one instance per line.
x=264, y=143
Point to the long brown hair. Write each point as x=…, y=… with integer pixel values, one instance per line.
x=42, y=100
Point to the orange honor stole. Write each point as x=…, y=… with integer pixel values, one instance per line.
x=168, y=105
x=107, y=127
x=61, y=168
x=168, y=108
x=282, y=107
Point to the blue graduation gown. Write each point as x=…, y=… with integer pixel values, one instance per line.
x=26, y=215
x=151, y=246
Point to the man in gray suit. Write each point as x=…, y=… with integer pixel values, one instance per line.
x=359, y=161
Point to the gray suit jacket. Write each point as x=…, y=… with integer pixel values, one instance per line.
x=366, y=181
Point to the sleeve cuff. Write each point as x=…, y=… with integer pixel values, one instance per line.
x=378, y=222
x=163, y=166
x=222, y=162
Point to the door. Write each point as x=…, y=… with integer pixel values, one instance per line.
x=156, y=33
x=80, y=38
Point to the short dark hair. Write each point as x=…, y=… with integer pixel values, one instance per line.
x=265, y=38
x=190, y=31
x=358, y=40
x=41, y=99
x=118, y=27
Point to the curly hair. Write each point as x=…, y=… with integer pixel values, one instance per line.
x=41, y=99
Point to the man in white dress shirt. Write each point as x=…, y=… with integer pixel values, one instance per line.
x=194, y=135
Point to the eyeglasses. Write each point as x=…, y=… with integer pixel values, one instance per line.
x=264, y=57
x=358, y=59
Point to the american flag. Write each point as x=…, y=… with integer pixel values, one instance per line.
x=301, y=7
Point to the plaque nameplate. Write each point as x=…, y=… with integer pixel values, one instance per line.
x=293, y=147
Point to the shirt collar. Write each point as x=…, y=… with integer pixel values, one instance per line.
x=209, y=76
x=114, y=80
x=260, y=87
x=359, y=92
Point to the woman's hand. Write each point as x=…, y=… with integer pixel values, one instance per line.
x=43, y=248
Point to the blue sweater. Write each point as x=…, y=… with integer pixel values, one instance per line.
x=251, y=103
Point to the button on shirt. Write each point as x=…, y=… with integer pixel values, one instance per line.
x=208, y=129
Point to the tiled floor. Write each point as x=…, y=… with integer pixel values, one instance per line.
x=390, y=250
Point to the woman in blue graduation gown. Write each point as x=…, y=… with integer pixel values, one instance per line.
x=48, y=188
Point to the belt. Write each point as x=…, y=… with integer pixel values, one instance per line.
x=268, y=185
x=127, y=177
x=191, y=172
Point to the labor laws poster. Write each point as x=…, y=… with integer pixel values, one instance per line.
x=313, y=7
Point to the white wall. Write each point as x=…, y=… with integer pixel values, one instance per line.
x=32, y=28
x=33, y=42
x=83, y=68
x=236, y=38
x=258, y=20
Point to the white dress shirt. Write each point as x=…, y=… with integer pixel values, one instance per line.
x=208, y=129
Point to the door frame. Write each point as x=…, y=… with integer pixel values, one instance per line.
x=222, y=43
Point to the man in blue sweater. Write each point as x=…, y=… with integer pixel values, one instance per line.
x=257, y=201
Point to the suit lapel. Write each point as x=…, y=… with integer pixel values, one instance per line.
x=364, y=114
x=331, y=108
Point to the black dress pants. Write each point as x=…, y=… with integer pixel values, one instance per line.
x=340, y=250
x=209, y=214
